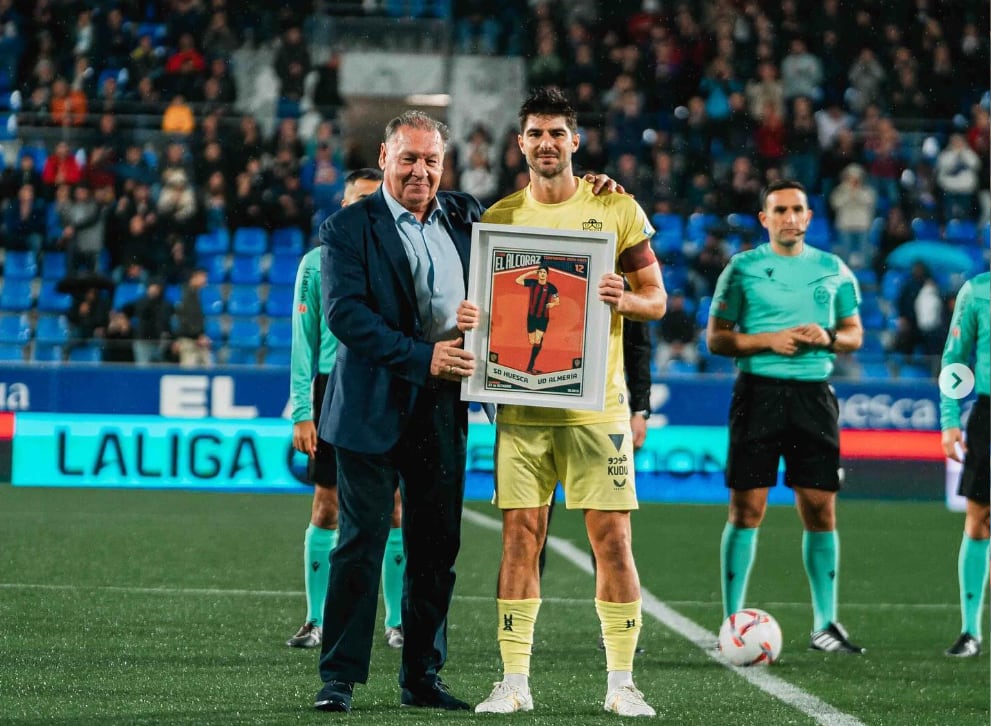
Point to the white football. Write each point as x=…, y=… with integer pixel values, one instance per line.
x=750, y=637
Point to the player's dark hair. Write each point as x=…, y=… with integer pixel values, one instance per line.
x=777, y=186
x=417, y=120
x=364, y=173
x=549, y=101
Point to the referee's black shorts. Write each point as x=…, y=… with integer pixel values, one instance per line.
x=772, y=418
x=322, y=468
x=976, y=475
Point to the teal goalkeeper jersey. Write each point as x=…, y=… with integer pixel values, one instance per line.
x=763, y=292
x=969, y=341
x=311, y=338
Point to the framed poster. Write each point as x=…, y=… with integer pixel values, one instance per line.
x=542, y=334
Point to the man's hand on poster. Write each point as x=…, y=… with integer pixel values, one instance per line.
x=451, y=361
x=468, y=315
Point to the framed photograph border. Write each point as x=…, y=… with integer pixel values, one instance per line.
x=600, y=248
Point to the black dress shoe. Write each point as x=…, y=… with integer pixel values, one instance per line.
x=432, y=695
x=335, y=696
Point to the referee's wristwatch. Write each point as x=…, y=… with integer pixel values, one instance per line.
x=831, y=345
x=645, y=413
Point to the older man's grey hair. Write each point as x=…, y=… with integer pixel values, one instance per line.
x=416, y=120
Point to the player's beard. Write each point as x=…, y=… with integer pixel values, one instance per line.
x=545, y=171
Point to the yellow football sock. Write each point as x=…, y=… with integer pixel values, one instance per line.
x=620, y=630
x=516, y=620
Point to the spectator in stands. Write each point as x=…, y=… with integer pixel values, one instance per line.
x=885, y=163
x=248, y=204
x=110, y=136
x=134, y=169
x=906, y=99
x=665, y=182
x=854, y=205
x=177, y=206
x=323, y=179
x=943, y=84
x=192, y=344
x=219, y=40
x=213, y=202
x=247, y=143
x=979, y=138
x=896, y=232
x=478, y=178
x=547, y=68
x=146, y=103
x=711, y=260
x=801, y=72
x=83, y=229
x=88, y=316
x=153, y=323
x=100, y=172
x=921, y=312
x=185, y=17
x=114, y=40
x=677, y=334
x=286, y=137
x=147, y=60
x=83, y=77
x=186, y=52
x=770, y=138
x=741, y=188
x=84, y=34
x=118, y=339
x=867, y=79
x=802, y=143
x=14, y=177
x=24, y=221
x=178, y=118
x=137, y=247
x=109, y=97
x=226, y=87
x=68, y=106
x=829, y=122
x=844, y=151
x=292, y=63
x=476, y=26
x=957, y=168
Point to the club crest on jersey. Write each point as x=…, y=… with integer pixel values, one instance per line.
x=592, y=225
x=821, y=295
x=769, y=271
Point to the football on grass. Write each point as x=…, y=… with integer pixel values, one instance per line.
x=750, y=637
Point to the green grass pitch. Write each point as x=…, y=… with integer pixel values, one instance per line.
x=145, y=607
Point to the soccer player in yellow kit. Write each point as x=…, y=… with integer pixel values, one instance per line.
x=536, y=447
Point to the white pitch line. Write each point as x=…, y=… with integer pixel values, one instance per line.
x=812, y=706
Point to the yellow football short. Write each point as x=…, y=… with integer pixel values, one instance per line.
x=593, y=462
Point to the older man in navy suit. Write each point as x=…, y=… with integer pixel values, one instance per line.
x=394, y=269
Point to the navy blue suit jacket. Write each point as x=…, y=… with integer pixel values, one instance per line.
x=370, y=302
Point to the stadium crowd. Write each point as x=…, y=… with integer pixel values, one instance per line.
x=136, y=164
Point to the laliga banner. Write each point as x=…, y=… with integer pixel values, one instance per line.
x=153, y=452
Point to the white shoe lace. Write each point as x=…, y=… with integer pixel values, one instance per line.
x=628, y=701
x=505, y=699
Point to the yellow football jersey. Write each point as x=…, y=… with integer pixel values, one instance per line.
x=617, y=213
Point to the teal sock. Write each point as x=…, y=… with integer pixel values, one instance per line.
x=821, y=556
x=317, y=546
x=972, y=568
x=736, y=558
x=393, y=570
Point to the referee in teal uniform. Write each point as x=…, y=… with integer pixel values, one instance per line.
x=970, y=339
x=784, y=310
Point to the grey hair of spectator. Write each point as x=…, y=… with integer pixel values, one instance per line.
x=416, y=120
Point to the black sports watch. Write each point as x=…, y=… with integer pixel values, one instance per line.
x=645, y=413
x=831, y=345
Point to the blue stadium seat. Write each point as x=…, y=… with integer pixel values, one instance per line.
x=47, y=353
x=819, y=233
x=19, y=265
x=15, y=329
x=11, y=352
x=876, y=231
x=126, y=293
x=250, y=241
x=211, y=300
x=282, y=270
x=872, y=345
x=914, y=371
x=926, y=228
x=698, y=225
x=867, y=279
x=702, y=313
x=53, y=265
x=279, y=301
x=214, y=329
x=50, y=300
x=277, y=357
x=871, y=314
x=173, y=294
x=243, y=300
x=215, y=266
x=279, y=333
x=287, y=241
x=679, y=367
x=743, y=221
x=985, y=235
x=16, y=295
x=217, y=242
x=244, y=333
x=87, y=353
x=874, y=370
x=891, y=283
x=961, y=232
x=242, y=356
x=675, y=277
x=52, y=330
x=718, y=364
x=246, y=270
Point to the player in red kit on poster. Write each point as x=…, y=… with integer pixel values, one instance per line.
x=543, y=297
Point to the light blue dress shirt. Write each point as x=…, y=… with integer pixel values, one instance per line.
x=438, y=276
